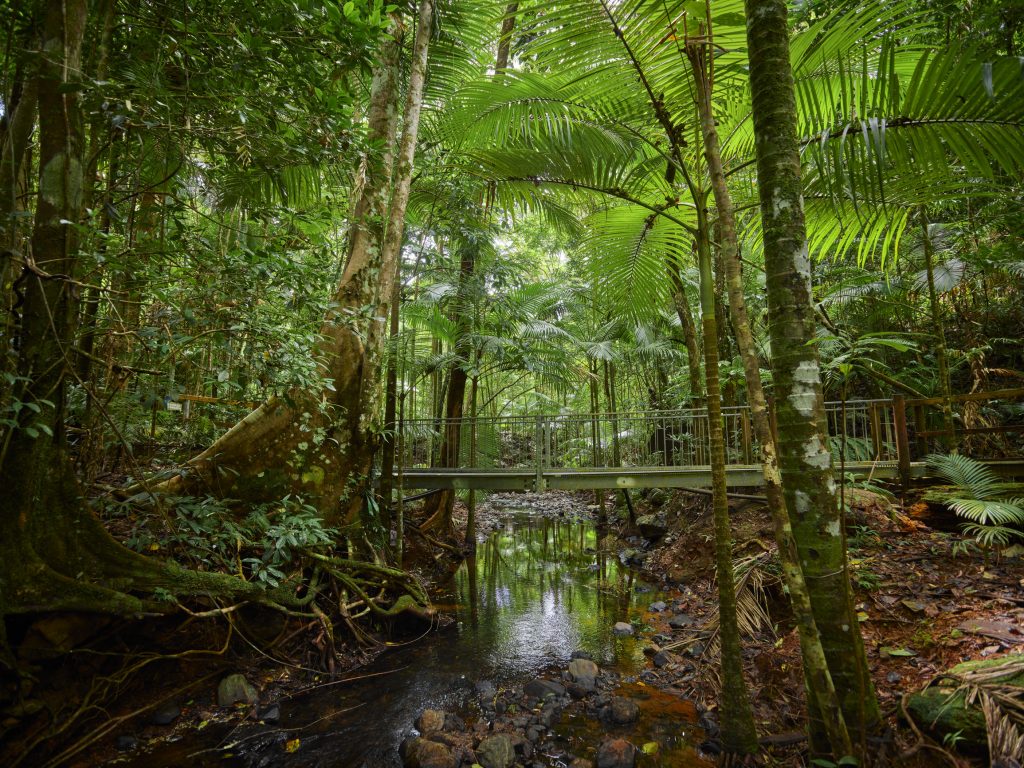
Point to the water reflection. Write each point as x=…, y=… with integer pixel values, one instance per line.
x=537, y=590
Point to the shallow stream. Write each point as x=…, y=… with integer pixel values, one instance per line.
x=538, y=589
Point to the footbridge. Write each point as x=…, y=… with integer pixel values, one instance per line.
x=886, y=439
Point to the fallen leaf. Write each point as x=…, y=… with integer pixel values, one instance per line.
x=292, y=745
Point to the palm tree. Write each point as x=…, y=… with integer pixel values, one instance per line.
x=612, y=121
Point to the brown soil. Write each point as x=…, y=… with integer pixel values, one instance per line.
x=922, y=609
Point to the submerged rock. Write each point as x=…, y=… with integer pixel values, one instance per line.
x=620, y=711
x=496, y=751
x=235, y=689
x=126, y=743
x=539, y=688
x=616, y=753
x=271, y=714
x=418, y=752
x=430, y=721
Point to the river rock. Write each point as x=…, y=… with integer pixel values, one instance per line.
x=234, y=689
x=584, y=673
x=272, y=714
x=582, y=655
x=418, y=752
x=658, y=606
x=165, y=714
x=681, y=621
x=620, y=711
x=485, y=689
x=539, y=688
x=429, y=721
x=496, y=752
x=622, y=628
x=662, y=659
x=652, y=526
x=616, y=753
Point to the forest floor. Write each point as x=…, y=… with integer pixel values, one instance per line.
x=923, y=605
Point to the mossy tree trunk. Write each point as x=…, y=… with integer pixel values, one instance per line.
x=739, y=734
x=438, y=507
x=685, y=315
x=820, y=687
x=54, y=555
x=804, y=455
x=321, y=444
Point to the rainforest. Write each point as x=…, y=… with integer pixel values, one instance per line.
x=573, y=384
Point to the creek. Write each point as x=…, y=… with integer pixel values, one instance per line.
x=539, y=588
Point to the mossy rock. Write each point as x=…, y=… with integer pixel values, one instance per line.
x=940, y=710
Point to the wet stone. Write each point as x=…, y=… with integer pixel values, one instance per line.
x=581, y=668
x=485, y=689
x=126, y=743
x=658, y=606
x=496, y=752
x=539, y=688
x=620, y=711
x=165, y=714
x=429, y=721
x=662, y=659
x=272, y=714
x=235, y=689
x=616, y=753
x=453, y=722
x=418, y=752
x=681, y=621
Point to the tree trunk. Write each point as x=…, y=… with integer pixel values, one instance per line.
x=321, y=444
x=685, y=314
x=819, y=682
x=804, y=456
x=387, y=459
x=54, y=555
x=939, y=331
x=739, y=734
x=438, y=507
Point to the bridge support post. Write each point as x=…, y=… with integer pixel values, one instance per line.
x=538, y=452
x=899, y=415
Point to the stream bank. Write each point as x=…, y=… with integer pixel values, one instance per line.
x=543, y=592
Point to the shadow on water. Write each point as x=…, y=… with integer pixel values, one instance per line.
x=537, y=590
